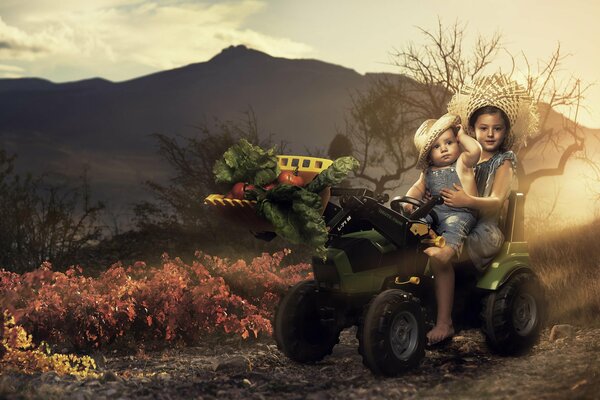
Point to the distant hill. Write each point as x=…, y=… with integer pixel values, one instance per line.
x=63, y=127
x=106, y=125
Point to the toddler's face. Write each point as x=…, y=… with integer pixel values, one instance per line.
x=445, y=149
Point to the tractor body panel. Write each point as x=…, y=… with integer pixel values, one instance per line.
x=512, y=257
x=361, y=262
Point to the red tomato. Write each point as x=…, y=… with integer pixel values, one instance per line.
x=270, y=186
x=237, y=191
x=290, y=178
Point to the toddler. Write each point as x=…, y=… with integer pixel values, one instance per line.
x=447, y=156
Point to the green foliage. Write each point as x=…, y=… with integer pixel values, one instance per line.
x=296, y=215
x=295, y=212
x=336, y=173
x=244, y=162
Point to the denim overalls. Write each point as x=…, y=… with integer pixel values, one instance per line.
x=454, y=223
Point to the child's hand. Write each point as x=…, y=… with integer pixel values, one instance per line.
x=456, y=197
x=461, y=132
x=426, y=196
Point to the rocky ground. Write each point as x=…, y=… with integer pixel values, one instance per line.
x=563, y=366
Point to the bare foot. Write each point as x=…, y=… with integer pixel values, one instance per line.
x=442, y=254
x=440, y=332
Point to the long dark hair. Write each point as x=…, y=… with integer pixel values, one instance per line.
x=506, y=144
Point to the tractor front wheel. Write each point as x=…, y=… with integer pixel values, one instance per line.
x=393, y=333
x=298, y=329
x=513, y=315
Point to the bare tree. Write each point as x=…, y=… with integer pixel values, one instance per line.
x=433, y=72
x=560, y=136
x=42, y=220
x=181, y=201
x=379, y=128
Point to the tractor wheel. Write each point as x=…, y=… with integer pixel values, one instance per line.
x=298, y=330
x=393, y=333
x=513, y=315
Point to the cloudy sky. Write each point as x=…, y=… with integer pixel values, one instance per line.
x=121, y=39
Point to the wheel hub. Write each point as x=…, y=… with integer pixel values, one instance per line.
x=524, y=314
x=404, y=335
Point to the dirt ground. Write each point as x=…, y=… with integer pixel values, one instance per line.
x=566, y=368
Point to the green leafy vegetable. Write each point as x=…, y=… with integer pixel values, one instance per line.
x=245, y=162
x=296, y=215
x=295, y=212
x=334, y=174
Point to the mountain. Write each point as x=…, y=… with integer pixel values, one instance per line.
x=106, y=126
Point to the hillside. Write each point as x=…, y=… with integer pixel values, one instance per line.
x=61, y=127
x=106, y=126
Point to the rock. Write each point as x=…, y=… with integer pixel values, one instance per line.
x=233, y=363
x=562, y=331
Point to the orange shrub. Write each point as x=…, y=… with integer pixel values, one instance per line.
x=174, y=301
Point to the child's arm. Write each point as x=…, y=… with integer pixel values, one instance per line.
x=417, y=190
x=500, y=191
x=470, y=149
x=469, y=156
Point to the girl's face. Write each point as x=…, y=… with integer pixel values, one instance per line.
x=445, y=150
x=490, y=131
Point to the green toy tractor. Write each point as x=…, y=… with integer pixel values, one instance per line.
x=375, y=276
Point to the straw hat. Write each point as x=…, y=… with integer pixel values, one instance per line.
x=501, y=92
x=429, y=131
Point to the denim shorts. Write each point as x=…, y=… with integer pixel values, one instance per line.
x=454, y=225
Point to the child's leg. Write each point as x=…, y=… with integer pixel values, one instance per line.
x=444, y=294
x=456, y=226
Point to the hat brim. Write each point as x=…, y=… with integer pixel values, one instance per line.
x=445, y=122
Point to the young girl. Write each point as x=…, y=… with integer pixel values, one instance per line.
x=447, y=156
x=500, y=115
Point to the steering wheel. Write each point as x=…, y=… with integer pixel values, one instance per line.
x=396, y=203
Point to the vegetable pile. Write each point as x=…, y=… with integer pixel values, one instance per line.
x=282, y=197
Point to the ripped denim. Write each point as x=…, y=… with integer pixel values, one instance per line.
x=454, y=225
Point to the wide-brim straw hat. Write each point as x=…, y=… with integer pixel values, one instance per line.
x=429, y=131
x=502, y=92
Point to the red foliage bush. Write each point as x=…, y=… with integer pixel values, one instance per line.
x=175, y=301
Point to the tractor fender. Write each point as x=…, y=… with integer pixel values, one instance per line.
x=499, y=273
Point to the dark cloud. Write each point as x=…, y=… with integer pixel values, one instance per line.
x=4, y=45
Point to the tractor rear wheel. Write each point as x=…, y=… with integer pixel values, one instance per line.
x=393, y=333
x=513, y=315
x=298, y=329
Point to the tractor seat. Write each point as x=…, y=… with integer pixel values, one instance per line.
x=511, y=223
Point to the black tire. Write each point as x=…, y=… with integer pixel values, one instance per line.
x=393, y=333
x=513, y=315
x=298, y=330
x=360, y=327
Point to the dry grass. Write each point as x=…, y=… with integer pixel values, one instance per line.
x=568, y=262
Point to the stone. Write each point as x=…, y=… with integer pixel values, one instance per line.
x=562, y=331
x=233, y=363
